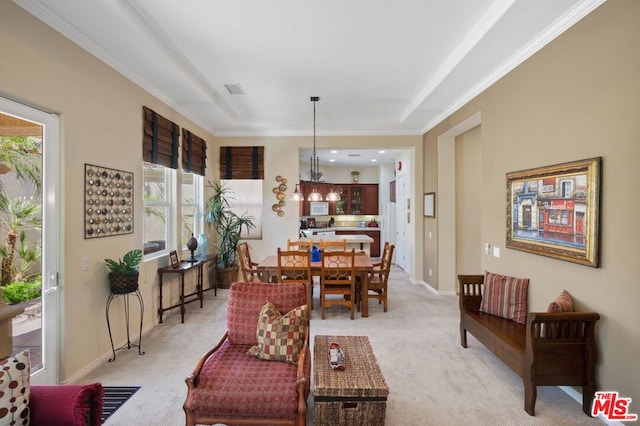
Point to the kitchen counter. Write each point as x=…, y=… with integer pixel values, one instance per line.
x=314, y=231
x=348, y=238
x=356, y=241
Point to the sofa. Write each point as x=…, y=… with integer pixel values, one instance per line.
x=259, y=372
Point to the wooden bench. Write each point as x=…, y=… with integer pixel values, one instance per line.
x=552, y=349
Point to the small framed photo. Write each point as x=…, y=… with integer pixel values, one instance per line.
x=430, y=204
x=175, y=263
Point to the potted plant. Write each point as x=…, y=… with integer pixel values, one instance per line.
x=123, y=274
x=228, y=226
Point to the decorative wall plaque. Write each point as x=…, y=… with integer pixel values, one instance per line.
x=278, y=190
x=108, y=202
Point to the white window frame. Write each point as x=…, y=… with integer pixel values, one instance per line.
x=197, y=205
x=169, y=206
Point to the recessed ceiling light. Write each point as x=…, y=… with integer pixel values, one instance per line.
x=382, y=151
x=373, y=160
x=333, y=151
x=331, y=160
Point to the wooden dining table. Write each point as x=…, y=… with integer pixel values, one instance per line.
x=362, y=266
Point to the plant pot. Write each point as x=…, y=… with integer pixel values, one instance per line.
x=226, y=276
x=121, y=284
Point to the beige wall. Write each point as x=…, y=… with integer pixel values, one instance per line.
x=577, y=98
x=469, y=195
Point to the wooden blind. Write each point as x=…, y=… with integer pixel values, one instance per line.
x=159, y=139
x=241, y=162
x=194, y=153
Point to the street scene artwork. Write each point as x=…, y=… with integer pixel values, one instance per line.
x=554, y=211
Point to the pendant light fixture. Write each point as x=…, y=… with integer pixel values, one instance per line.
x=314, y=170
x=297, y=195
x=315, y=162
x=333, y=195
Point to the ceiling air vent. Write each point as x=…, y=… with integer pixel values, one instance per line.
x=235, y=89
x=353, y=155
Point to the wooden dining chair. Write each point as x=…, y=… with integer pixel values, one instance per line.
x=294, y=266
x=300, y=245
x=333, y=245
x=249, y=271
x=337, y=278
x=377, y=280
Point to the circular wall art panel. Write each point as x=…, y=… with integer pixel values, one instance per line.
x=108, y=202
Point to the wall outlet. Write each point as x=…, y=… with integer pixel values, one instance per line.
x=430, y=272
x=85, y=263
x=429, y=234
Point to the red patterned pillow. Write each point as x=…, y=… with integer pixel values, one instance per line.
x=505, y=297
x=562, y=303
x=14, y=389
x=280, y=337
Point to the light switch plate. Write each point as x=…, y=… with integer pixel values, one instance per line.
x=496, y=252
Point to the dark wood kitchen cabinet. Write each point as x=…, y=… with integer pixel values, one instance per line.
x=370, y=199
x=355, y=199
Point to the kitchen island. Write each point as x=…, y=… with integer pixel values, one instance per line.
x=359, y=242
x=341, y=231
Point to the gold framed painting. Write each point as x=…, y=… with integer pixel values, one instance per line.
x=554, y=211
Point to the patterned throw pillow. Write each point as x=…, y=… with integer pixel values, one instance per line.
x=505, y=297
x=280, y=337
x=562, y=303
x=14, y=389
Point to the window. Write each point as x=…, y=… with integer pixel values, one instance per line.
x=242, y=171
x=191, y=195
x=247, y=198
x=172, y=201
x=566, y=189
x=157, y=208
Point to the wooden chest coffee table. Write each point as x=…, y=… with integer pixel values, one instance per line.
x=356, y=395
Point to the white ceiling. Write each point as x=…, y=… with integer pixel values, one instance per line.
x=380, y=67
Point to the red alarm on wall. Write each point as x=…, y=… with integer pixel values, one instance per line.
x=399, y=165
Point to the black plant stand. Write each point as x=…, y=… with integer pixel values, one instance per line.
x=128, y=345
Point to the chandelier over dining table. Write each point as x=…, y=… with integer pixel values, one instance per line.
x=314, y=169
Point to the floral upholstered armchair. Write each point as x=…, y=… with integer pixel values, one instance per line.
x=259, y=372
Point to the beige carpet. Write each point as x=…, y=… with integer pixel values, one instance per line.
x=432, y=379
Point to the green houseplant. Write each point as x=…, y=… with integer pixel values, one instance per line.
x=228, y=226
x=123, y=275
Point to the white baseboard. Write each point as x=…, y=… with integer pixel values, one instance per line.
x=434, y=290
x=578, y=397
x=104, y=358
